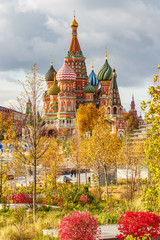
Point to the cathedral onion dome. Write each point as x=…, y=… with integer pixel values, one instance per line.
x=65, y=73
x=74, y=23
x=105, y=73
x=89, y=88
x=50, y=74
x=93, y=79
x=54, y=89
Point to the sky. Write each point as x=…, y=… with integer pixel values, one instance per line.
x=32, y=30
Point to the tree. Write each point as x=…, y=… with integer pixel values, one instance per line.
x=86, y=118
x=131, y=156
x=104, y=148
x=132, y=121
x=75, y=155
x=52, y=163
x=152, y=143
x=34, y=131
x=5, y=124
x=4, y=166
x=31, y=147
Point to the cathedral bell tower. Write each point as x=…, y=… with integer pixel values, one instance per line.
x=76, y=61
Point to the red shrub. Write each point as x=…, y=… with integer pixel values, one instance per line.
x=78, y=226
x=83, y=200
x=138, y=225
x=22, y=198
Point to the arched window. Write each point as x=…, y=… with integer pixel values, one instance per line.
x=114, y=110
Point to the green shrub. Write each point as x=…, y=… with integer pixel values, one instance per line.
x=108, y=218
x=44, y=208
x=70, y=193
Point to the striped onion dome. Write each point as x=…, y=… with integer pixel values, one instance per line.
x=50, y=74
x=65, y=73
x=54, y=89
x=105, y=73
x=93, y=79
x=89, y=88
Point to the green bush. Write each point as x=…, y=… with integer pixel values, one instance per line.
x=70, y=193
x=108, y=218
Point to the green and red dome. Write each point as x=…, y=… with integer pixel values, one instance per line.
x=50, y=74
x=105, y=73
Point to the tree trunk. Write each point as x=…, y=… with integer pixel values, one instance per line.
x=26, y=175
x=99, y=188
x=79, y=178
x=34, y=190
x=55, y=177
x=78, y=169
x=14, y=177
x=127, y=182
x=106, y=181
x=1, y=179
x=86, y=175
x=35, y=146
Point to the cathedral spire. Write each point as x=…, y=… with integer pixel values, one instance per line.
x=113, y=98
x=75, y=47
x=51, y=60
x=74, y=24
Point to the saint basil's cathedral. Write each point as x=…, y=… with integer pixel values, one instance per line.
x=70, y=87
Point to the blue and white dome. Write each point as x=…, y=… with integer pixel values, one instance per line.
x=93, y=79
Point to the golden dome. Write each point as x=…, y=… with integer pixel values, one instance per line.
x=74, y=23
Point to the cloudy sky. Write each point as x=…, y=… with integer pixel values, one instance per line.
x=32, y=30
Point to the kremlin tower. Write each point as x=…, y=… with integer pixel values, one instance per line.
x=70, y=87
x=133, y=110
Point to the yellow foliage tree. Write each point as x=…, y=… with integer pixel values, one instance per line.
x=75, y=160
x=52, y=162
x=87, y=115
x=33, y=131
x=5, y=124
x=131, y=156
x=151, y=109
x=104, y=148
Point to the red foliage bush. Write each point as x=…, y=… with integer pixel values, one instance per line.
x=138, y=224
x=21, y=198
x=83, y=199
x=78, y=225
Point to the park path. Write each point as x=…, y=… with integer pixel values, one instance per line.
x=108, y=232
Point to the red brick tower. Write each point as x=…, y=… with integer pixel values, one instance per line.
x=76, y=61
x=133, y=110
